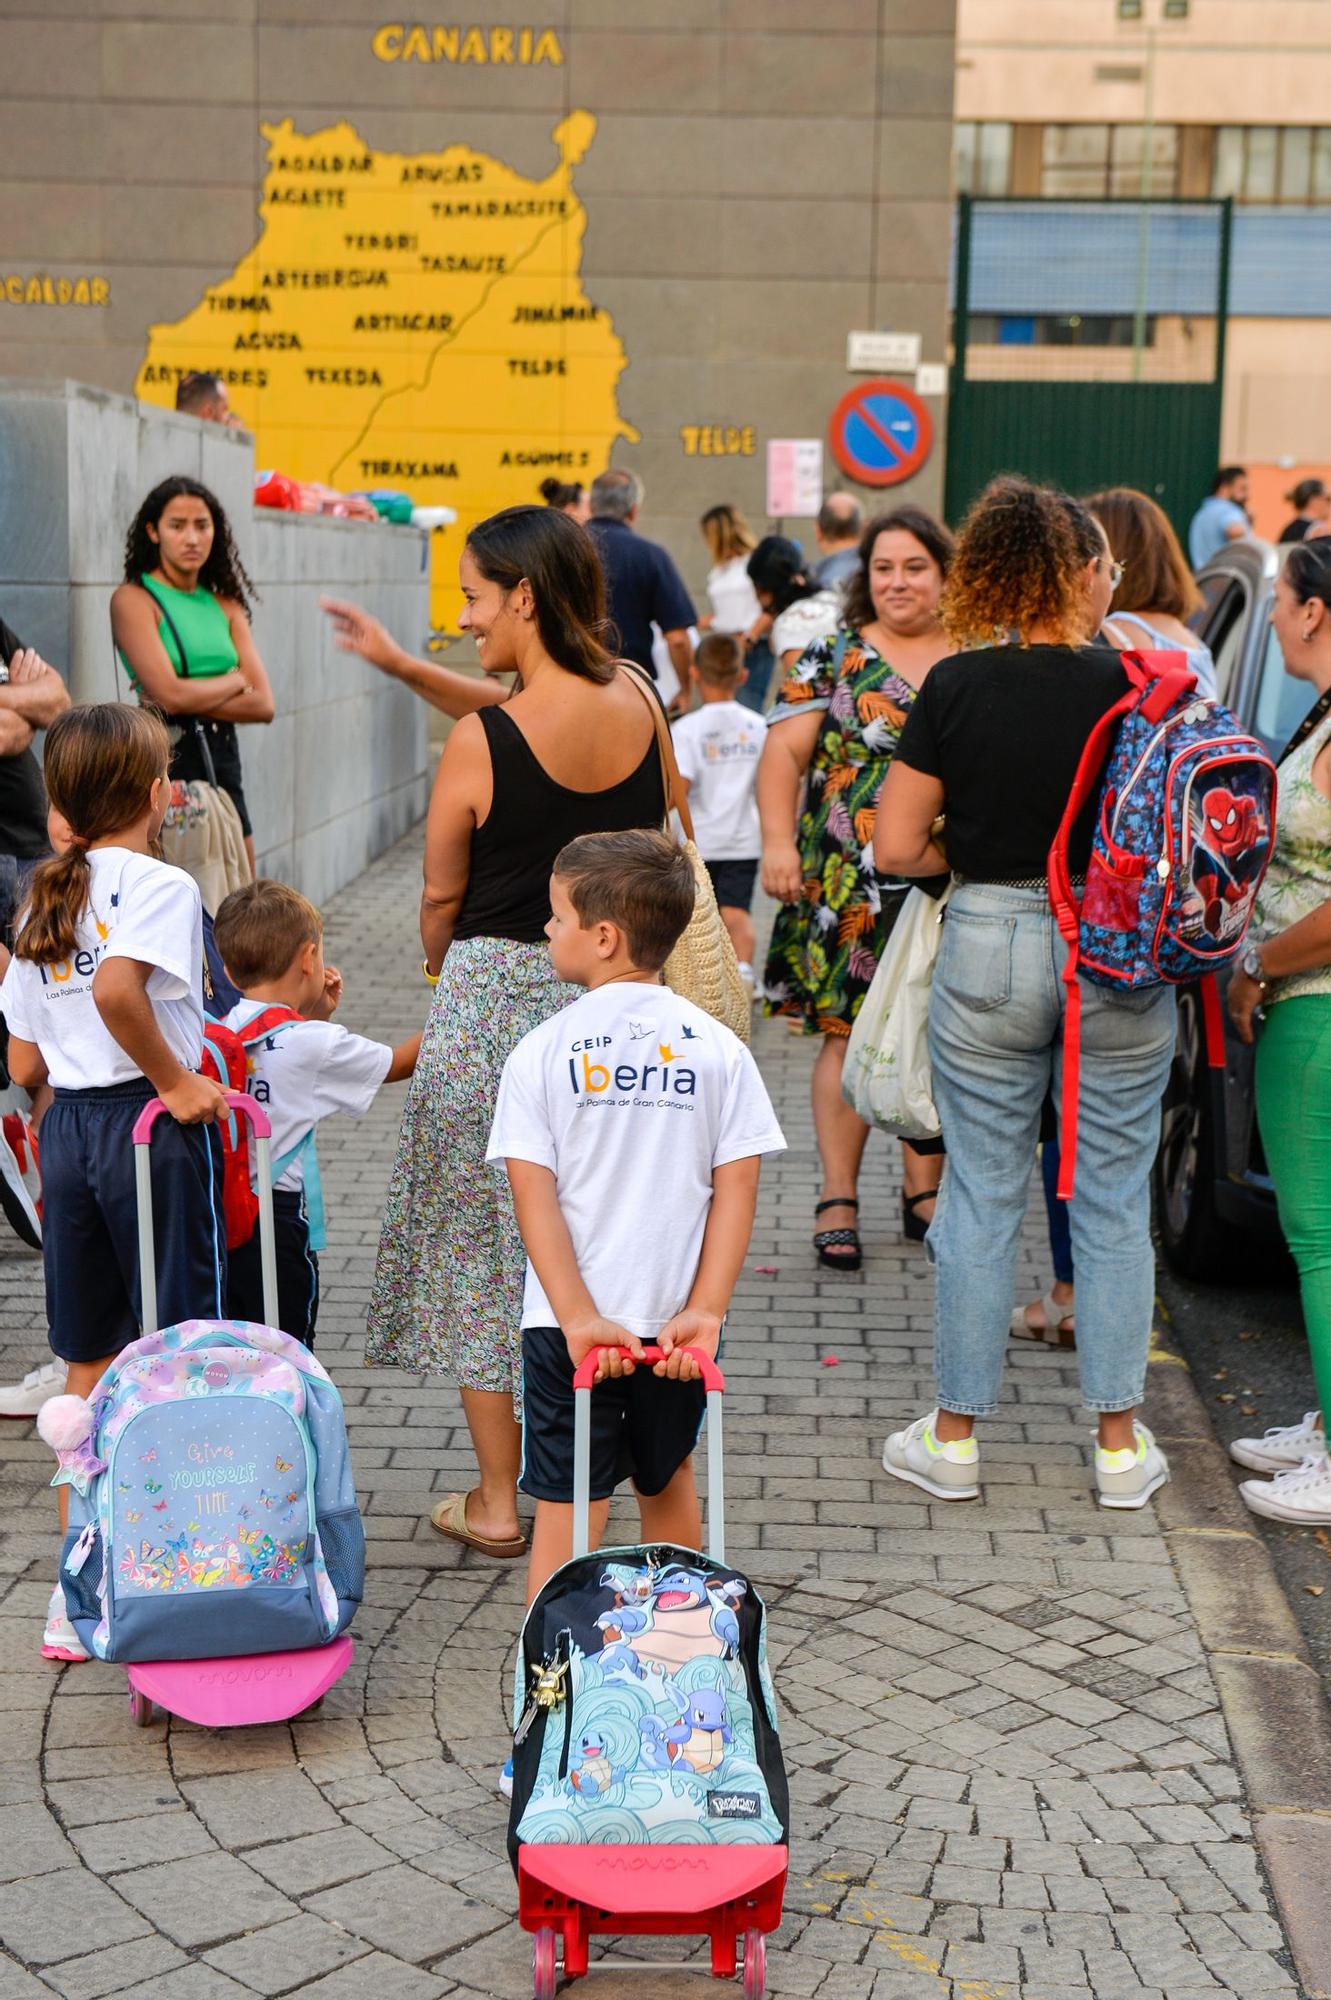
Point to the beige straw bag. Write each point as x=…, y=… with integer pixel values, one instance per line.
x=702, y=967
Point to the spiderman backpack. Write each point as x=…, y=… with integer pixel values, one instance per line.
x=1182, y=838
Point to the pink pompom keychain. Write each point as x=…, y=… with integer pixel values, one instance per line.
x=66, y=1423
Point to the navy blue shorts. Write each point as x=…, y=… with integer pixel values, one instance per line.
x=643, y=1428
x=297, y=1272
x=90, y=1229
x=733, y=883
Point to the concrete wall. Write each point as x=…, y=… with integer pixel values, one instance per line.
x=341, y=773
x=765, y=177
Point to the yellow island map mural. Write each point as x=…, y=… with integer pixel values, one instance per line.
x=411, y=320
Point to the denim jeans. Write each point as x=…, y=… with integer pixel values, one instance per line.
x=995, y=1043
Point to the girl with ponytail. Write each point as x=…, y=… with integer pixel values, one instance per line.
x=104, y=1000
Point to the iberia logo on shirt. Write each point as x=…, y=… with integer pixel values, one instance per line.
x=651, y=1065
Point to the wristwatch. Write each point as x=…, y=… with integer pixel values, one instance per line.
x=1251, y=963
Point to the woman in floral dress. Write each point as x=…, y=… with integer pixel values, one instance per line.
x=831, y=736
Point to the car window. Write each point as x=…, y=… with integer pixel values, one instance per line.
x=1222, y=625
x=1282, y=702
x=1212, y=588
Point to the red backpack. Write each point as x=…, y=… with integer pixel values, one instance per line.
x=227, y=1053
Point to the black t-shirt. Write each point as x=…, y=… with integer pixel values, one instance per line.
x=22, y=793
x=642, y=585
x=1004, y=730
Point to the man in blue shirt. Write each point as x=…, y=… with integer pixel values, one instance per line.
x=1222, y=517
x=642, y=584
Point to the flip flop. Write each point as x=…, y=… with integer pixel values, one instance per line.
x=448, y=1517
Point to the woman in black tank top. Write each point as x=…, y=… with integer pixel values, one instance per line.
x=447, y=1295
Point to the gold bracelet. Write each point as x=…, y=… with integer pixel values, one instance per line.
x=431, y=978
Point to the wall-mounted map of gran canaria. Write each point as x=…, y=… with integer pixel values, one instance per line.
x=413, y=320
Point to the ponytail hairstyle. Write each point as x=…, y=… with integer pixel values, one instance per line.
x=1018, y=563
x=102, y=760
x=555, y=493
x=558, y=558
x=777, y=566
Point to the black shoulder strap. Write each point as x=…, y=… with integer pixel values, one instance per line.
x=190, y=722
x=1307, y=726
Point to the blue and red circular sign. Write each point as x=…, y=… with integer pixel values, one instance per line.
x=880, y=433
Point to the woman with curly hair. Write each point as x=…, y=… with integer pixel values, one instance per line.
x=830, y=740
x=181, y=624
x=993, y=743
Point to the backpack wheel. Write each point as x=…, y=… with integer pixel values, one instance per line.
x=140, y=1707
x=755, y=1965
x=544, y=1969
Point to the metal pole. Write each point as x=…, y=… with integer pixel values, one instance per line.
x=1144, y=214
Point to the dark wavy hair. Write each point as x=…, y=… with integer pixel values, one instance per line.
x=559, y=560
x=224, y=574
x=936, y=540
x=1019, y=561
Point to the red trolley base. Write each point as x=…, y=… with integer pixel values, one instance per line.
x=725, y=1893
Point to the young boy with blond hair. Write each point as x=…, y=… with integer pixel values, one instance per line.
x=303, y=1069
x=717, y=748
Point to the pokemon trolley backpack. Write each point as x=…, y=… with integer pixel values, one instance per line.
x=212, y=1511
x=645, y=1731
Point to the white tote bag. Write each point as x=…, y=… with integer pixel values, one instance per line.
x=887, y=1078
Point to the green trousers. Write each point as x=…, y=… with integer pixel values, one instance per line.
x=1294, y=1113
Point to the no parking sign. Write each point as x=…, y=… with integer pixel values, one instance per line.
x=880, y=433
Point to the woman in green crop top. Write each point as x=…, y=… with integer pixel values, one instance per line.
x=181, y=626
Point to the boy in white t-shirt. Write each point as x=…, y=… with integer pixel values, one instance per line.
x=633, y=1126
x=717, y=748
x=303, y=1069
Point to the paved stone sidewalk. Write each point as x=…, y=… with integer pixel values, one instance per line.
x=1010, y=1776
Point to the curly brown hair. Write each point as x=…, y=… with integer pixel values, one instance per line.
x=1018, y=563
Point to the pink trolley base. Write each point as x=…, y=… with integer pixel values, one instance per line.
x=729, y=1894
x=226, y=1694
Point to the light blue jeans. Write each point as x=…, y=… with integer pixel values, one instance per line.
x=995, y=1042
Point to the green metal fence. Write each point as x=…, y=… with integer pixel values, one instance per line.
x=1089, y=346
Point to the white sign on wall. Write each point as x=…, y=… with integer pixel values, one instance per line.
x=931, y=378
x=882, y=353
x=794, y=477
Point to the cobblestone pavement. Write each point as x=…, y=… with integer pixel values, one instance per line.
x=1009, y=1771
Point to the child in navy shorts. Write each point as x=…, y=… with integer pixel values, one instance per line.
x=302, y=1068
x=633, y=1126
x=104, y=999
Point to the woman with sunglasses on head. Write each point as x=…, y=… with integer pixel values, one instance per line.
x=1155, y=592
x=993, y=742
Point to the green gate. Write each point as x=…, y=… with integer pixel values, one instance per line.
x=1089, y=346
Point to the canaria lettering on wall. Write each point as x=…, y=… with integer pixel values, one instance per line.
x=403, y=41
x=40, y=289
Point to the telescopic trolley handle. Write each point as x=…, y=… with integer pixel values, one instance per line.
x=239, y=1102
x=584, y=1381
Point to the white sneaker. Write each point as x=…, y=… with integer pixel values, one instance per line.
x=1303, y=1494
x=25, y=1398
x=1282, y=1450
x=1129, y=1477
x=60, y=1641
x=948, y=1471
x=751, y=986
x=20, y=1179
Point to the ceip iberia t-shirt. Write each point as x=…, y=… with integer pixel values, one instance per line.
x=717, y=749
x=304, y=1071
x=137, y=908
x=632, y=1098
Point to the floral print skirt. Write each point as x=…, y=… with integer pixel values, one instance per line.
x=447, y=1296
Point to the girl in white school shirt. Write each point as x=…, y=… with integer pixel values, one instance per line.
x=104, y=999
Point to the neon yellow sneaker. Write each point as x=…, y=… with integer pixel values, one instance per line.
x=1129, y=1477
x=948, y=1471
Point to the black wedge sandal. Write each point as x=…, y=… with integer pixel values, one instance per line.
x=827, y=1240
x=912, y=1228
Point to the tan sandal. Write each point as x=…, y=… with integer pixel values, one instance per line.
x=448, y=1517
x=1060, y=1323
